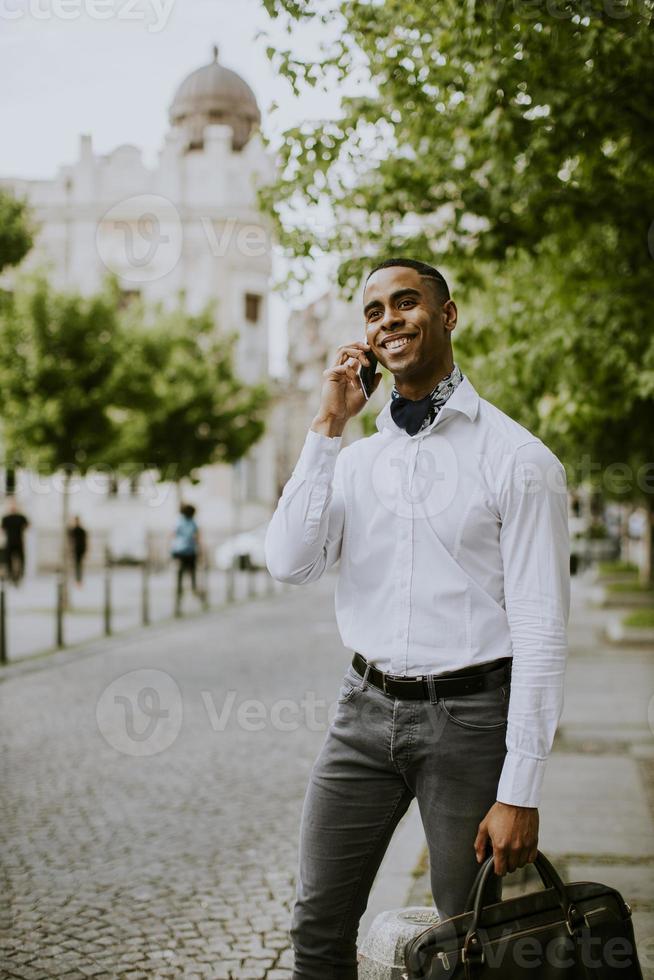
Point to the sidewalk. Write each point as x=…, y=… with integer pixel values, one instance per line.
x=30, y=607
x=597, y=812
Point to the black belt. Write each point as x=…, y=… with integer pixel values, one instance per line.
x=450, y=684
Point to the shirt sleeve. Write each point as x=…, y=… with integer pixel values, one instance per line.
x=304, y=536
x=535, y=548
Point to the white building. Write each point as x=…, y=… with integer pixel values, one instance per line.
x=187, y=228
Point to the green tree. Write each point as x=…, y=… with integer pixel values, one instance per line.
x=59, y=366
x=511, y=142
x=16, y=230
x=187, y=408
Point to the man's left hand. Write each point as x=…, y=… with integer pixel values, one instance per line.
x=513, y=833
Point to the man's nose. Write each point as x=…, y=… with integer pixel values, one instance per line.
x=392, y=320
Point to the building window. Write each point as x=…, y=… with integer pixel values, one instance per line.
x=252, y=307
x=10, y=481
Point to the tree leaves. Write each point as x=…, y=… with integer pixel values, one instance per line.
x=513, y=143
x=87, y=385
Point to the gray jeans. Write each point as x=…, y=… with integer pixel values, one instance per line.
x=380, y=753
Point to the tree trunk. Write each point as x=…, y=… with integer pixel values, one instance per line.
x=236, y=497
x=647, y=568
x=624, y=532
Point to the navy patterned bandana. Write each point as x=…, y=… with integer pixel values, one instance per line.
x=413, y=416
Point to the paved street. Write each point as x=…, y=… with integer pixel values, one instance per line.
x=152, y=787
x=177, y=864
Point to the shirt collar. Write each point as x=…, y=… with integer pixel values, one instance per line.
x=463, y=399
x=443, y=390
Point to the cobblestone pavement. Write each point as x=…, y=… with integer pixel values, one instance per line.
x=150, y=814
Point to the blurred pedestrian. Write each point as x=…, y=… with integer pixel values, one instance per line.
x=186, y=547
x=78, y=544
x=14, y=525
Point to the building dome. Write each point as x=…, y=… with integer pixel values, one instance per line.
x=214, y=95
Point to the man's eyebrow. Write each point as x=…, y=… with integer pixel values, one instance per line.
x=398, y=294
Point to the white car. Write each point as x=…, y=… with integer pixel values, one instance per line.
x=244, y=550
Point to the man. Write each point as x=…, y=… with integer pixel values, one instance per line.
x=78, y=543
x=14, y=525
x=450, y=523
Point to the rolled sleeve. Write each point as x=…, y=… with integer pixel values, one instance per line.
x=535, y=548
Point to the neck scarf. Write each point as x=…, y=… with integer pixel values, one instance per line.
x=416, y=415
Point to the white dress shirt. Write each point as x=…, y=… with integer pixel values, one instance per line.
x=454, y=550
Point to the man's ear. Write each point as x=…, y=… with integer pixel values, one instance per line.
x=451, y=314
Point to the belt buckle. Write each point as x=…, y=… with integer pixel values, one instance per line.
x=384, y=682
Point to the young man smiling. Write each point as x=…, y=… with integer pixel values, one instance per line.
x=450, y=523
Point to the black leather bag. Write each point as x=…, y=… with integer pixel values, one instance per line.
x=576, y=931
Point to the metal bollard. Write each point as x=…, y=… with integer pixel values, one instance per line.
x=381, y=956
x=59, y=615
x=145, y=593
x=229, y=591
x=107, y=594
x=205, y=585
x=3, y=622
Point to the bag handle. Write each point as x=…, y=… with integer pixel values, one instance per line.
x=543, y=867
x=473, y=950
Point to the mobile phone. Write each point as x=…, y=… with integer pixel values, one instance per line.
x=367, y=374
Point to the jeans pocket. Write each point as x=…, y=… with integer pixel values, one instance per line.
x=349, y=686
x=484, y=711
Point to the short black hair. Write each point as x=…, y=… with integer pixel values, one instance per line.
x=188, y=510
x=428, y=271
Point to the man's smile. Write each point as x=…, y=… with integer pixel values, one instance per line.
x=397, y=342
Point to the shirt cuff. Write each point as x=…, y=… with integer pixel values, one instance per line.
x=521, y=780
x=317, y=460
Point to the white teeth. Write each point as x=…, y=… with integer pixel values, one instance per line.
x=400, y=342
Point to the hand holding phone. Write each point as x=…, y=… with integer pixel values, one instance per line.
x=366, y=375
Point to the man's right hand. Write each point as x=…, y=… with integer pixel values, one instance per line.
x=341, y=397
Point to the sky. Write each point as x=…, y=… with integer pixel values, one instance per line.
x=110, y=68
